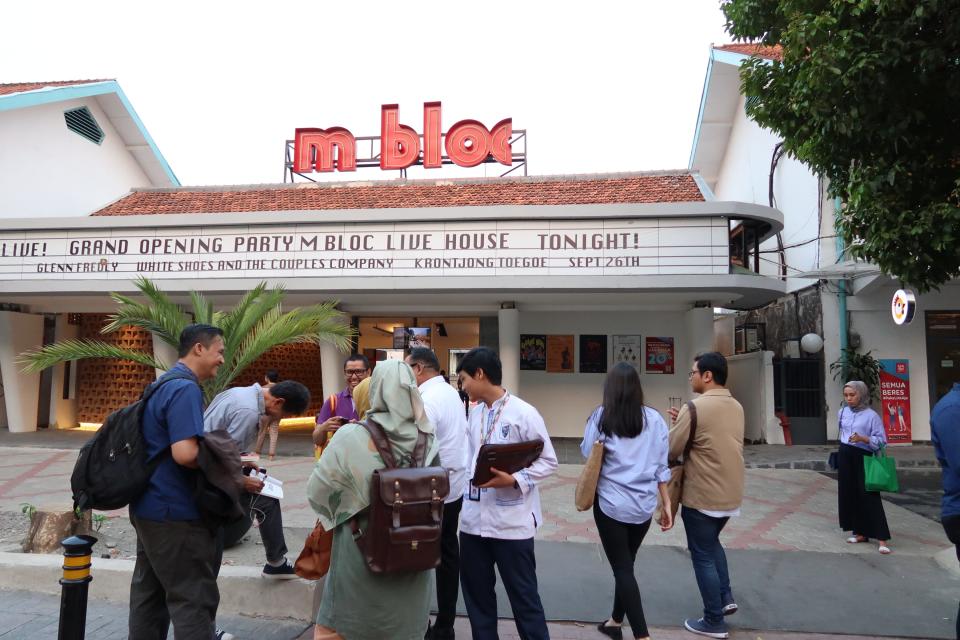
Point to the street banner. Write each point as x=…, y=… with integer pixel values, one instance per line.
x=660, y=355
x=895, y=401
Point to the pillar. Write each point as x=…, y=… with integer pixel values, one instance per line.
x=331, y=368
x=508, y=321
x=163, y=352
x=20, y=332
x=63, y=406
x=699, y=324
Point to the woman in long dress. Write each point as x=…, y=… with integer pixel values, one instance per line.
x=358, y=604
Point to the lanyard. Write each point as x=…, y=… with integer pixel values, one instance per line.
x=496, y=418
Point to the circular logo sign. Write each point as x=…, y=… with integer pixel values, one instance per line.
x=903, y=306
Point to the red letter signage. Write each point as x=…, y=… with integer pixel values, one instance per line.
x=306, y=141
x=399, y=144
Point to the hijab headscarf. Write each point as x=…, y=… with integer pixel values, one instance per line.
x=863, y=394
x=339, y=487
x=361, y=397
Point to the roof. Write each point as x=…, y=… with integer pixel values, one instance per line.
x=677, y=186
x=111, y=99
x=20, y=87
x=753, y=49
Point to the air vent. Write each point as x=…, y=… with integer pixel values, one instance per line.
x=82, y=122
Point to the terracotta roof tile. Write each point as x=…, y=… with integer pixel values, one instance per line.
x=752, y=49
x=541, y=190
x=20, y=87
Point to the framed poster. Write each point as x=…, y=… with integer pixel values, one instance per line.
x=660, y=355
x=895, y=401
x=593, y=354
x=533, y=353
x=628, y=349
x=399, y=337
x=418, y=337
x=560, y=354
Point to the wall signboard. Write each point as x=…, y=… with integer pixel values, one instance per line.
x=895, y=401
x=560, y=354
x=660, y=355
x=628, y=349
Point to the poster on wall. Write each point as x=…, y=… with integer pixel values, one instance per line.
x=628, y=349
x=659, y=355
x=895, y=401
x=533, y=353
x=399, y=337
x=418, y=337
x=559, y=354
x=593, y=354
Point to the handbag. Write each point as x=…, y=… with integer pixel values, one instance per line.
x=675, y=485
x=314, y=560
x=833, y=461
x=880, y=472
x=586, y=491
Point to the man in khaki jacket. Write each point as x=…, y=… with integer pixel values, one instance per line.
x=712, y=485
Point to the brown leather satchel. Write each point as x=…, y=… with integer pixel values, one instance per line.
x=675, y=486
x=405, y=512
x=509, y=458
x=314, y=560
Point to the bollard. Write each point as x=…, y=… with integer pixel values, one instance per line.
x=76, y=580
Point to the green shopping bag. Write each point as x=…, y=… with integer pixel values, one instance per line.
x=880, y=472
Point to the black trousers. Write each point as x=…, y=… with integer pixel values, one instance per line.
x=861, y=511
x=621, y=541
x=951, y=524
x=267, y=511
x=517, y=564
x=173, y=580
x=448, y=573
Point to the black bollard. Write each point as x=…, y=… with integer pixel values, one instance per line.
x=75, y=581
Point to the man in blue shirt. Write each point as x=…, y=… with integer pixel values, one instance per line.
x=174, y=576
x=945, y=428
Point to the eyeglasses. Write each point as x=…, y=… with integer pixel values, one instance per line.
x=692, y=373
x=354, y=372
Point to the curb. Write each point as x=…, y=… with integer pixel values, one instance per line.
x=242, y=590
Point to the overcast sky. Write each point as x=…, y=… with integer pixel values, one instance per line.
x=600, y=86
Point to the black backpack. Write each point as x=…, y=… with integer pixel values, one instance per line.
x=112, y=469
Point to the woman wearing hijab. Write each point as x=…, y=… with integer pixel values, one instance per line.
x=861, y=433
x=361, y=397
x=358, y=604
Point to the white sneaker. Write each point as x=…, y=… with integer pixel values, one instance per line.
x=220, y=634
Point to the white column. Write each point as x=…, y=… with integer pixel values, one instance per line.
x=833, y=389
x=509, y=325
x=63, y=412
x=699, y=322
x=163, y=352
x=20, y=332
x=331, y=368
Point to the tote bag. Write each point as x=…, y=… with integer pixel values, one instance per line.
x=880, y=472
x=586, y=490
x=314, y=560
x=675, y=485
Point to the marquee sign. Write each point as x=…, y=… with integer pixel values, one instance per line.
x=545, y=247
x=467, y=143
x=903, y=306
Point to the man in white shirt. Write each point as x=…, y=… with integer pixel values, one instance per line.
x=445, y=411
x=500, y=517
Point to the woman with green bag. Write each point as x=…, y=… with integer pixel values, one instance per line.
x=861, y=434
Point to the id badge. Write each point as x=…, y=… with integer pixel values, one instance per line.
x=474, y=493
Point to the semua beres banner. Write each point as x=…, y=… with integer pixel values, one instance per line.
x=895, y=401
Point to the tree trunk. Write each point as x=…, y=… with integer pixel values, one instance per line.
x=50, y=525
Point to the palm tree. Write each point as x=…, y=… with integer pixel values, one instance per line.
x=254, y=326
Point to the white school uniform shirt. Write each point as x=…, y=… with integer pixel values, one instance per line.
x=510, y=513
x=443, y=407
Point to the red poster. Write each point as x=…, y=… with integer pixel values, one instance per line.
x=660, y=355
x=895, y=401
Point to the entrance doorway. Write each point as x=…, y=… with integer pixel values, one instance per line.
x=943, y=352
x=798, y=392
x=386, y=337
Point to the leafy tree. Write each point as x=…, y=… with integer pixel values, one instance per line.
x=254, y=326
x=866, y=95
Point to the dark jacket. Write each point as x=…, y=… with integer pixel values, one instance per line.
x=220, y=481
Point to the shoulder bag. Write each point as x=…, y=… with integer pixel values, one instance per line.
x=314, y=560
x=675, y=486
x=880, y=472
x=586, y=491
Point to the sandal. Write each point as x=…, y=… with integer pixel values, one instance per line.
x=884, y=549
x=856, y=539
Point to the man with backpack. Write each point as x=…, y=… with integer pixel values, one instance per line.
x=501, y=516
x=174, y=576
x=338, y=409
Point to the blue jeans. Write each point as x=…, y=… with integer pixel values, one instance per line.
x=709, y=562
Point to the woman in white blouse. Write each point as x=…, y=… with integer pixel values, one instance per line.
x=634, y=472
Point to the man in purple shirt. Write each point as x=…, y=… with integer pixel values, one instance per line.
x=338, y=409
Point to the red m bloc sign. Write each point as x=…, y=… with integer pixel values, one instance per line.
x=467, y=143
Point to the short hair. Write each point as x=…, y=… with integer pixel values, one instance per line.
x=197, y=334
x=357, y=357
x=715, y=363
x=296, y=397
x=485, y=359
x=426, y=357
x=272, y=375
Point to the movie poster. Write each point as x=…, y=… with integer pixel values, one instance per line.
x=593, y=354
x=560, y=354
x=660, y=355
x=418, y=337
x=895, y=401
x=628, y=349
x=533, y=353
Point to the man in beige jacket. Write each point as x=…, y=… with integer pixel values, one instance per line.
x=712, y=485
